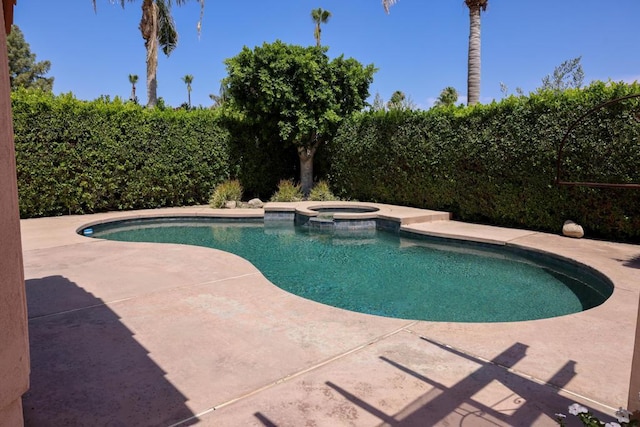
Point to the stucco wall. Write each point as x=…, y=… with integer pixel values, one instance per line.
x=14, y=343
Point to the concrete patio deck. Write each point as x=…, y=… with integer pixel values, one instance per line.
x=138, y=334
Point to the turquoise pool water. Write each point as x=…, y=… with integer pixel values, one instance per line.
x=386, y=274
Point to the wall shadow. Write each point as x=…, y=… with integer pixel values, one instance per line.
x=87, y=368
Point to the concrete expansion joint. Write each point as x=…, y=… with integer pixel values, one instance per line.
x=224, y=279
x=297, y=374
x=187, y=285
x=60, y=313
x=117, y=301
x=515, y=239
x=68, y=245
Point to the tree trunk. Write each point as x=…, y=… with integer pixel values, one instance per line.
x=149, y=30
x=473, y=76
x=306, y=167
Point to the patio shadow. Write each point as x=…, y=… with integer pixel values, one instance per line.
x=633, y=262
x=87, y=368
x=491, y=395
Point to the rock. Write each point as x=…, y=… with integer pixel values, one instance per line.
x=571, y=229
x=255, y=203
x=231, y=204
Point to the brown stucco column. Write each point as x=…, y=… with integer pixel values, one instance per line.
x=633, y=404
x=14, y=342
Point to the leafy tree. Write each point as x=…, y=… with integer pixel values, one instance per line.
x=133, y=79
x=378, y=103
x=295, y=95
x=158, y=29
x=188, y=79
x=448, y=97
x=505, y=90
x=24, y=71
x=567, y=75
x=319, y=16
x=473, y=75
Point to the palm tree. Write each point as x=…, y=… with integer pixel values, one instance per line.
x=396, y=101
x=319, y=16
x=221, y=98
x=133, y=79
x=448, y=97
x=188, y=79
x=157, y=28
x=473, y=76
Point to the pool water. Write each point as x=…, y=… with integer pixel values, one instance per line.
x=382, y=273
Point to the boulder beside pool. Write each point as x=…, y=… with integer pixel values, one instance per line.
x=255, y=203
x=571, y=229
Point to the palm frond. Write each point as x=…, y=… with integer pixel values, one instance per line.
x=167, y=34
x=315, y=14
x=387, y=4
x=479, y=4
x=320, y=15
x=122, y=2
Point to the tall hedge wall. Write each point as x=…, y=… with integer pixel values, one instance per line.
x=497, y=163
x=76, y=157
x=258, y=163
x=490, y=163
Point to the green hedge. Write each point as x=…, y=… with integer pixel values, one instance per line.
x=490, y=163
x=497, y=163
x=76, y=157
x=260, y=164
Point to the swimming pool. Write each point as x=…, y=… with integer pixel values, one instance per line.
x=389, y=274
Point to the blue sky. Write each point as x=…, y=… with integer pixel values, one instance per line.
x=420, y=48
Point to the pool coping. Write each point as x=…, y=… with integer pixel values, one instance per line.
x=585, y=338
x=399, y=214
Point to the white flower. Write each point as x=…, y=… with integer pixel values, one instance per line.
x=576, y=409
x=612, y=424
x=623, y=415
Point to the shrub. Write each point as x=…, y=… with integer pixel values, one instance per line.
x=322, y=192
x=287, y=192
x=76, y=157
x=227, y=191
x=496, y=163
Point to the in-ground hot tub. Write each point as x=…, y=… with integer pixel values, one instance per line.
x=338, y=217
x=356, y=209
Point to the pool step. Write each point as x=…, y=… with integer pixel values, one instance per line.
x=322, y=222
x=325, y=216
